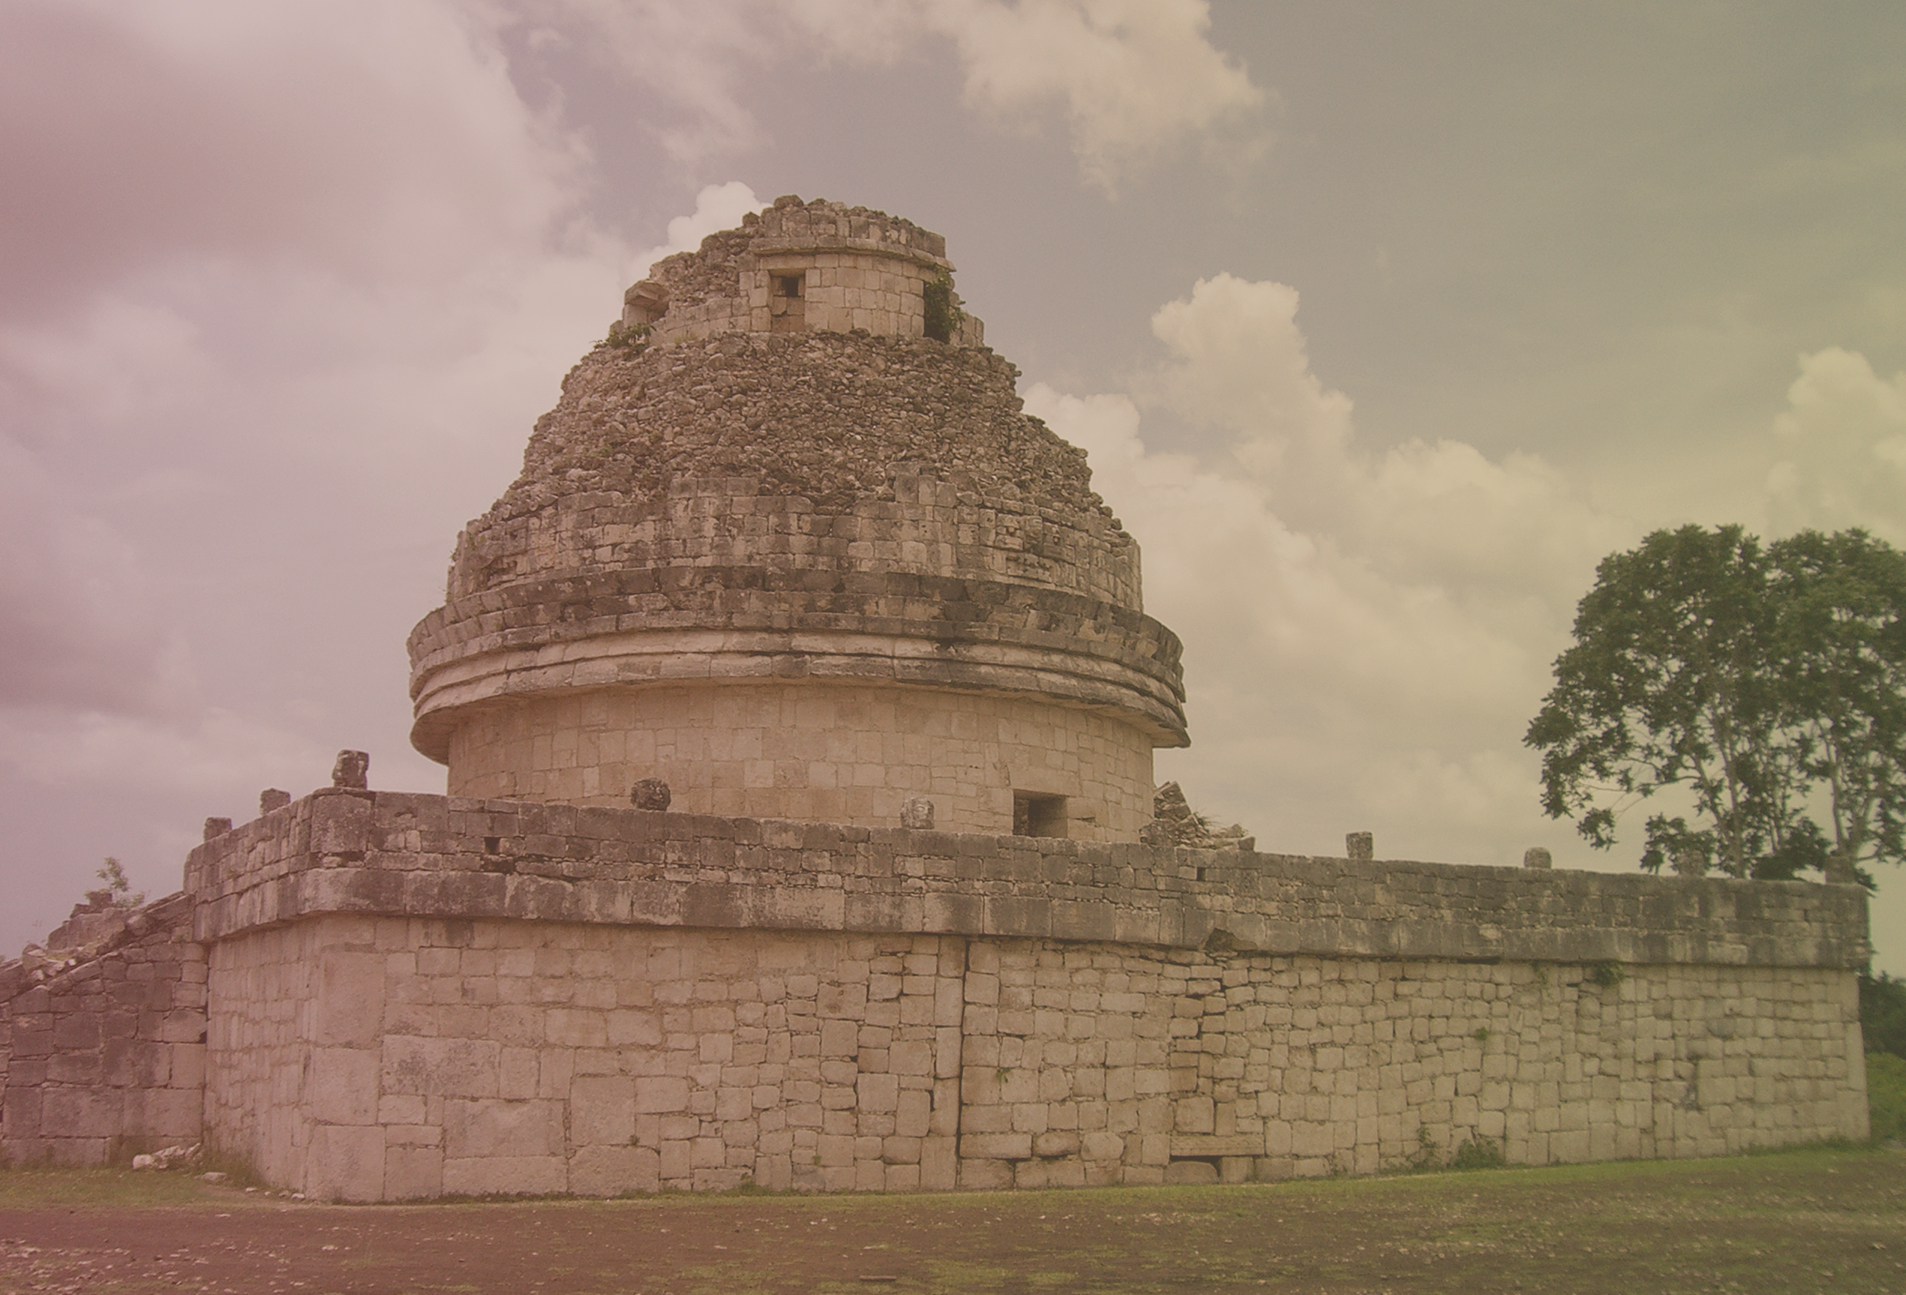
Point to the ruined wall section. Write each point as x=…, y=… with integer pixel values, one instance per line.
x=825, y=422
x=860, y=270
x=102, y=1048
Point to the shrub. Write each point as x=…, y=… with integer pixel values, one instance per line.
x=1886, y=1095
x=1478, y=1153
x=1883, y=1014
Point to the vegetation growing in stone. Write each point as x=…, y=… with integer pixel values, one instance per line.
x=1766, y=684
x=628, y=338
x=118, y=891
x=1606, y=974
x=943, y=313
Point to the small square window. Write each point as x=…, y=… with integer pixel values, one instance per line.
x=1036, y=815
x=788, y=285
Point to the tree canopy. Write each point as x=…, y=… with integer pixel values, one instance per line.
x=1768, y=682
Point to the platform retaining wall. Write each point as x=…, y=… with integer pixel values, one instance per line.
x=413, y=996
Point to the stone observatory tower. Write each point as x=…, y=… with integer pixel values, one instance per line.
x=789, y=544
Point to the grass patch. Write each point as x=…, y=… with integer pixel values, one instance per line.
x=1886, y=1095
x=104, y=1188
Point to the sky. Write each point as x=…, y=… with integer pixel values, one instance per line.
x=1382, y=323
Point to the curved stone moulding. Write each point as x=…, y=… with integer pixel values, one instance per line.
x=631, y=660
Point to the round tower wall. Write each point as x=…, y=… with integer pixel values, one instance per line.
x=800, y=267
x=781, y=548
x=818, y=752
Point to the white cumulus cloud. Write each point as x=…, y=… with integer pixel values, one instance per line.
x=1130, y=79
x=1367, y=633
x=1843, y=441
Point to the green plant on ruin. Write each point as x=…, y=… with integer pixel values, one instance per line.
x=1606, y=974
x=631, y=339
x=117, y=891
x=1481, y=1035
x=943, y=313
x=1478, y=1153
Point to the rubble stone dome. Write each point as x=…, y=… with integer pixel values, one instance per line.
x=728, y=517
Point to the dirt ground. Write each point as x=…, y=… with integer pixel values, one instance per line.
x=1805, y=1221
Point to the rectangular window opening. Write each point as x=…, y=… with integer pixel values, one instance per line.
x=787, y=312
x=1036, y=815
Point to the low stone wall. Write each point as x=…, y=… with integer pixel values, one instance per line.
x=105, y=1057
x=418, y=995
x=392, y=1058
x=411, y=996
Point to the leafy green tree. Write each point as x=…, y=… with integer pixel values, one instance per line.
x=1839, y=660
x=1768, y=683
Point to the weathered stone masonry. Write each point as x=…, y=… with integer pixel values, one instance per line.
x=104, y=1056
x=416, y=995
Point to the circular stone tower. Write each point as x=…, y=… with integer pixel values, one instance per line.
x=788, y=543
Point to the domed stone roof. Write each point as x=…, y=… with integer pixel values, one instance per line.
x=725, y=498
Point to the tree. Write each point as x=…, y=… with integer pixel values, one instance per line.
x=1768, y=683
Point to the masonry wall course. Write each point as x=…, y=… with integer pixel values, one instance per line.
x=104, y=1057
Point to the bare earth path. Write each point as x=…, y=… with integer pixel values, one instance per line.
x=1796, y=1222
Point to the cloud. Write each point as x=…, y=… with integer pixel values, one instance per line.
x=1131, y=79
x=380, y=139
x=717, y=207
x=77, y=630
x=1843, y=435
x=1367, y=632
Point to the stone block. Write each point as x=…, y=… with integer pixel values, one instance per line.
x=503, y=1175
x=496, y=1128
x=350, y=991
x=985, y=1174
x=601, y=1111
x=659, y=1094
x=164, y=1114
x=440, y=1067
x=132, y=1063
x=412, y=1172
x=186, y=1068
x=614, y=1170
x=342, y=1085
x=913, y=1117
x=344, y=1164
x=996, y=1146
x=81, y=1113
x=1055, y=1142
x=340, y=824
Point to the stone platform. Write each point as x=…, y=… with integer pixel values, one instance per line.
x=410, y=996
